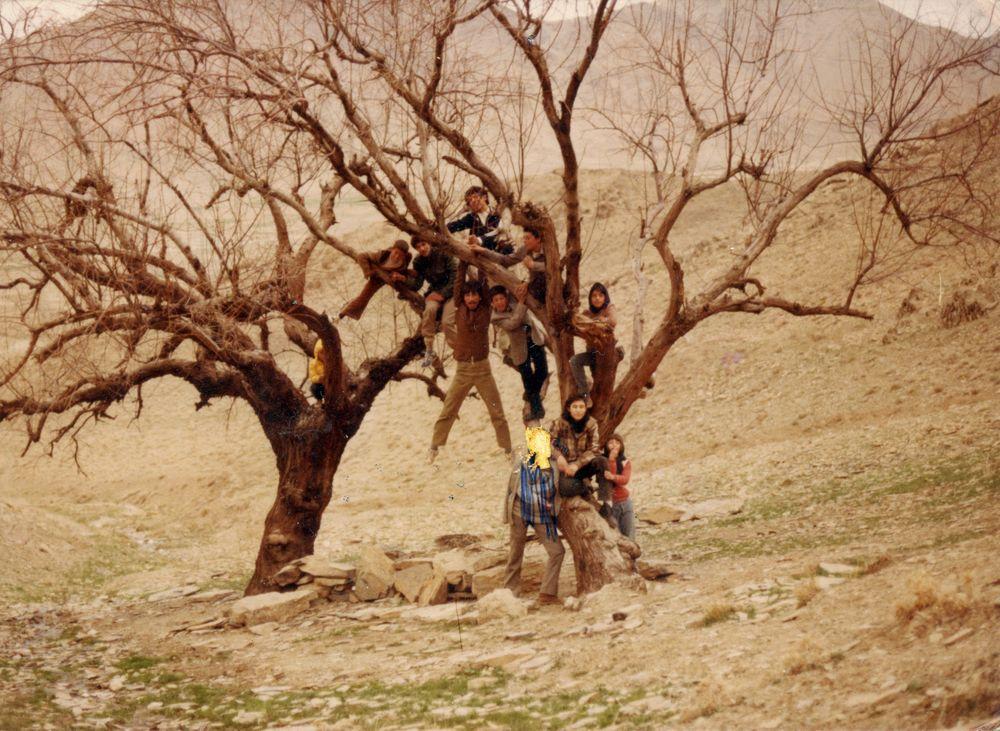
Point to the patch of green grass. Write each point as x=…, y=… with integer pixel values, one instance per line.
x=137, y=662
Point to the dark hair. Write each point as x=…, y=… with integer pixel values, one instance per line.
x=499, y=289
x=473, y=285
x=415, y=239
x=533, y=231
x=598, y=287
x=621, y=452
x=568, y=416
x=399, y=244
x=476, y=190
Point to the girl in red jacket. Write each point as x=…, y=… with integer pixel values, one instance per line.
x=619, y=472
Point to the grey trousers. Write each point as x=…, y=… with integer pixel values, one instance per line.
x=553, y=547
x=625, y=515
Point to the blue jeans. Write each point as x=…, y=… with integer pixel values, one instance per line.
x=625, y=515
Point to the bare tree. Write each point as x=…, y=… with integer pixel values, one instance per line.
x=396, y=101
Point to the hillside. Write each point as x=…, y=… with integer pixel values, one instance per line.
x=872, y=444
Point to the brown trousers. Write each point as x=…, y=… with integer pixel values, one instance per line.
x=552, y=546
x=468, y=375
x=429, y=323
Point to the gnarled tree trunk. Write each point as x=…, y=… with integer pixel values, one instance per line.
x=308, y=453
x=601, y=554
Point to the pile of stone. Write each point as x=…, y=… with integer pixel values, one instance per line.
x=462, y=573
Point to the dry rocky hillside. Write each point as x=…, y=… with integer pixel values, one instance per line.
x=824, y=494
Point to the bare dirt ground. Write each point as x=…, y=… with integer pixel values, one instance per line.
x=874, y=445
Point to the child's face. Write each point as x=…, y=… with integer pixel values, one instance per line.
x=499, y=302
x=578, y=409
x=423, y=248
x=597, y=298
x=471, y=299
x=532, y=243
x=476, y=202
x=614, y=445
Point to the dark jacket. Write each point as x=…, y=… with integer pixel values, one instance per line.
x=472, y=327
x=536, y=265
x=437, y=269
x=486, y=232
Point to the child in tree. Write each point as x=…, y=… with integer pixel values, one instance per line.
x=393, y=261
x=600, y=309
x=472, y=349
x=482, y=224
x=525, y=345
x=438, y=270
x=578, y=456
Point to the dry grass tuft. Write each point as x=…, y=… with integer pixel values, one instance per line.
x=980, y=699
x=717, y=613
x=875, y=565
x=806, y=592
x=961, y=308
x=806, y=656
x=933, y=605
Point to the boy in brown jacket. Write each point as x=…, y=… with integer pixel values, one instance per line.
x=472, y=369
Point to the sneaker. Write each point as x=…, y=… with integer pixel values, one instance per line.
x=428, y=360
x=432, y=454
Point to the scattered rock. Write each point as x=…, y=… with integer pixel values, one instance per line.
x=714, y=508
x=827, y=582
x=504, y=658
x=502, y=604
x=838, y=569
x=213, y=595
x=484, y=582
x=410, y=581
x=864, y=700
x=573, y=603
x=652, y=570
x=958, y=636
x=270, y=607
x=661, y=514
x=321, y=568
x=249, y=717
x=375, y=576
x=288, y=575
x=435, y=591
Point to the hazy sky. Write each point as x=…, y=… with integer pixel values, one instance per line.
x=962, y=15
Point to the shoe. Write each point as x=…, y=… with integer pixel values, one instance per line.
x=548, y=600
x=432, y=454
x=428, y=360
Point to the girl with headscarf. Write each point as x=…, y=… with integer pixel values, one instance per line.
x=599, y=309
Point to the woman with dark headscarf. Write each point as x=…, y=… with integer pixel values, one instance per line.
x=619, y=472
x=599, y=309
x=577, y=453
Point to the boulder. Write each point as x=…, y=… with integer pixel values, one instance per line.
x=410, y=581
x=319, y=567
x=661, y=514
x=434, y=591
x=501, y=604
x=375, y=575
x=652, y=570
x=288, y=575
x=270, y=607
x=714, y=508
x=483, y=582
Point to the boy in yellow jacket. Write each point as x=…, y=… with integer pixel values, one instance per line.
x=316, y=372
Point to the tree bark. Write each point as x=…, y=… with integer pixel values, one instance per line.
x=308, y=454
x=601, y=554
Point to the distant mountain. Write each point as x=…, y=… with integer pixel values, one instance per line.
x=968, y=17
